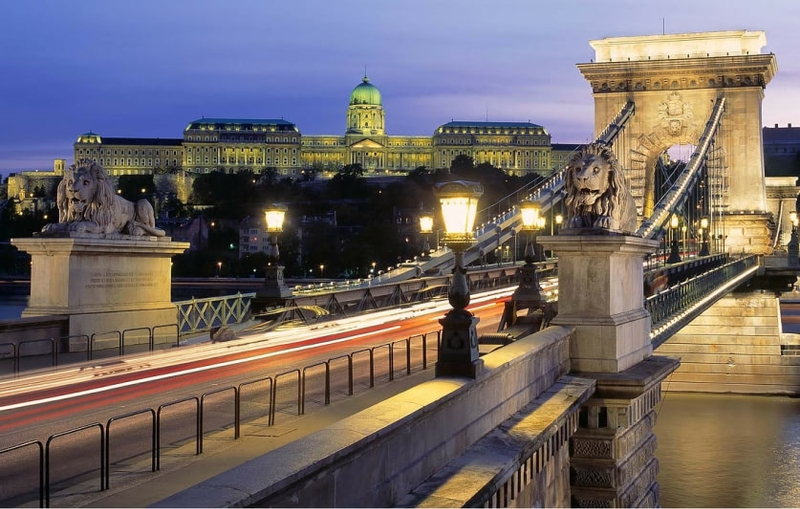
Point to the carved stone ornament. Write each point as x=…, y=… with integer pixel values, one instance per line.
x=597, y=197
x=87, y=203
x=675, y=114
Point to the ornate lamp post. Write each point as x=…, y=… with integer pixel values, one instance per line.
x=674, y=250
x=794, y=246
x=425, y=228
x=704, y=236
x=528, y=293
x=274, y=286
x=458, y=354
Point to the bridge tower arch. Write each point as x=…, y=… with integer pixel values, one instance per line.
x=674, y=80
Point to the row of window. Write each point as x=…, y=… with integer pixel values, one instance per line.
x=226, y=150
x=470, y=141
x=240, y=160
x=107, y=152
x=267, y=139
x=135, y=162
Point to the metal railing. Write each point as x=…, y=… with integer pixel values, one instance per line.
x=57, y=351
x=293, y=396
x=675, y=307
x=202, y=314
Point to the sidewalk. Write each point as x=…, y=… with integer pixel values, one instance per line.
x=136, y=486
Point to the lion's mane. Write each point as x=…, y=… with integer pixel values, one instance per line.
x=614, y=205
x=100, y=206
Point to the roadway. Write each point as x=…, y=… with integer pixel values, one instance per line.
x=36, y=406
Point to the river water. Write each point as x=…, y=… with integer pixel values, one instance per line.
x=728, y=451
x=713, y=450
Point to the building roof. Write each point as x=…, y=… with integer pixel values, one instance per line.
x=781, y=135
x=366, y=93
x=92, y=138
x=491, y=125
x=565, y=147
x=281, y=124
x=164, y=142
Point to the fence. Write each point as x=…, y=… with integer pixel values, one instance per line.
x=292, y=392
x=52, y=352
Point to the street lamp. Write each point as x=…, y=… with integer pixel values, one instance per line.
x=528, y=293
x=425, y=228
x=704, y=236
x=674, y=252
x=219, y=268
x=274, y=286
x=458, y=354
x=794, y=245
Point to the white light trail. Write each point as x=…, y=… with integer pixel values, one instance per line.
x=187, y=371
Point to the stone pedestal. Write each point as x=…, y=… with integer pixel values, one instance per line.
x=274, y=284
x=102, y=282
x=600, y=288
x=612, y=454
x=458, y=352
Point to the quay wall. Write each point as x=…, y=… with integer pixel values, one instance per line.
x=736, y=346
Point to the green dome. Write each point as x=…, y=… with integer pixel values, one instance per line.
x=366, y=93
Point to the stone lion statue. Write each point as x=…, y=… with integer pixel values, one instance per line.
x=597, y=195
x=87, y=203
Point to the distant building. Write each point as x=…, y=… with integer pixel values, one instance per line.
x=781, y=151
x=561, y=153
x=35, y=190
x=236, y=144
x=253, y=236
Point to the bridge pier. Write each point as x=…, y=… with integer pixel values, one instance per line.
x=612, y=454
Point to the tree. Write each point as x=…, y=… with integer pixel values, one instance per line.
x=462, y=165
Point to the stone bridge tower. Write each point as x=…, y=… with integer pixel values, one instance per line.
x=674, y=81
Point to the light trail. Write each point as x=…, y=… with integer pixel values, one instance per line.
x=189, y=371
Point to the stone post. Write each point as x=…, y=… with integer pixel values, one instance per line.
x=102, y=282
x=612, y=455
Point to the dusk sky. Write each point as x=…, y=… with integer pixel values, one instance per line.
x=146, y=68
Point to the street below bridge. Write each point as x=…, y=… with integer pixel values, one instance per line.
x=201, y=380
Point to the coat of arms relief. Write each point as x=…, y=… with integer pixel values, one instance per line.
x=675, y=115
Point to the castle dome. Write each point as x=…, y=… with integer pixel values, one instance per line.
x=365, y=93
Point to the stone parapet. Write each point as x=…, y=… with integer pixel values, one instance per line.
x=378, y=456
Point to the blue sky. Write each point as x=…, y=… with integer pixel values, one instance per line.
x=145, y=68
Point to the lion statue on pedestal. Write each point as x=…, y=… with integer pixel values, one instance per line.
x=597, y=195
x=87, y=203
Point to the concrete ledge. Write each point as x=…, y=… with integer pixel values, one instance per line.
x=473, y=478
x=375, y=457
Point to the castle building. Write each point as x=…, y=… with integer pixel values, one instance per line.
x=235, y=144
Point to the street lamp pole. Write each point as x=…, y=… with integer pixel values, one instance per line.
x=458, y=353
x=425, y=228
x=794, y=246
x=674, y=251
x=704, y=235
x=274, y=286
x=529, y=291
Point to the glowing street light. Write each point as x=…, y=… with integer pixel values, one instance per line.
x=458, y=354
x=274, y=286
x=794, y=245
x=425, y=228
x=674, y=252
x=704, y=236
